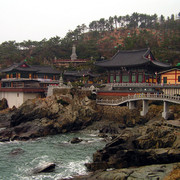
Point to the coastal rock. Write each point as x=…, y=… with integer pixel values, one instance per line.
x=55, y=114
x=76, y=140
x=161, y=172
x=144, y=145
x=48, y=167
x=109, y=129
x=3, y=104
x=17, y=151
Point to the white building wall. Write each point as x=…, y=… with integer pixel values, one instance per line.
x=17, y=98
x=13, y=98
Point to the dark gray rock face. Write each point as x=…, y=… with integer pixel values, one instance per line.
x=76, y=140
x=63, y=112
x=140, y=146
x=158, y=172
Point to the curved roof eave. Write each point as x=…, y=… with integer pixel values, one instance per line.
x=161, y=64
x=116, y=66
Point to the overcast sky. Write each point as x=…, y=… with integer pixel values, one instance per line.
x=38, y=19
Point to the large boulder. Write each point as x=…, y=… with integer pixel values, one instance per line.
x=144, y=145
x=52, y=115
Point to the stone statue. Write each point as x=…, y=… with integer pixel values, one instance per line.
x=73, y=55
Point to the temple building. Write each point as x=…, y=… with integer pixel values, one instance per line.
x=135, y=66
x=24, y=82
x=84, y=75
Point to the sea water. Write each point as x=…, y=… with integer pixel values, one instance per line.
x=69, y=158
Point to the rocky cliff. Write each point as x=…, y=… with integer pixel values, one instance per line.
x=154, y=143
x=67, y=110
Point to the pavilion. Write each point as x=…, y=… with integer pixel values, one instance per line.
x=135, y=66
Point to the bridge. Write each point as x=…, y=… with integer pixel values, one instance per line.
x=131, y=99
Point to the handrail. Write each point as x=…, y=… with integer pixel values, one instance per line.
x=148, y=96
x=142, y=85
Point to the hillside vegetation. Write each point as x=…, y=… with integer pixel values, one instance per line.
x=101, y=40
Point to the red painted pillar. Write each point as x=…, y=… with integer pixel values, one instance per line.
x=136, y=76
x=114, y=76
x=143, y=77
x=130, y=77
x=108, y=77
x=120, y=76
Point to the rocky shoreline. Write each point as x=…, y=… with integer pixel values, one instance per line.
x=65, y=111
x=146, y=147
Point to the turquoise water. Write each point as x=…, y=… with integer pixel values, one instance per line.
x=69, y=158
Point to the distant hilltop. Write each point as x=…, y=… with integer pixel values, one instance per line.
x=102, y=39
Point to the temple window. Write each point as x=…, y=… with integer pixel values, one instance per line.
x=111, y=78
x=178, y=78
x=125, y=78
x=140, y=78
x=117, y=78
x=133, y=77
x=164, y=80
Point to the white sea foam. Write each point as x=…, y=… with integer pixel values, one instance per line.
x=39, y=177
x=74, y=168
x=78, y=166
x=69, y=158
x=91, y=140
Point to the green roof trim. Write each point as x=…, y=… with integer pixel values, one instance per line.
x=178, y=64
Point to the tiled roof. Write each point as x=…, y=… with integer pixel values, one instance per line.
x=79, y=73
x=131, y=58
x=69, y=60
x=34, y=68
x=169, y=70
x=45, y=69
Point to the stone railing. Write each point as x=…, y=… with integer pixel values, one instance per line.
x=142, y=85
x=29, y=79
x=148, y=96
